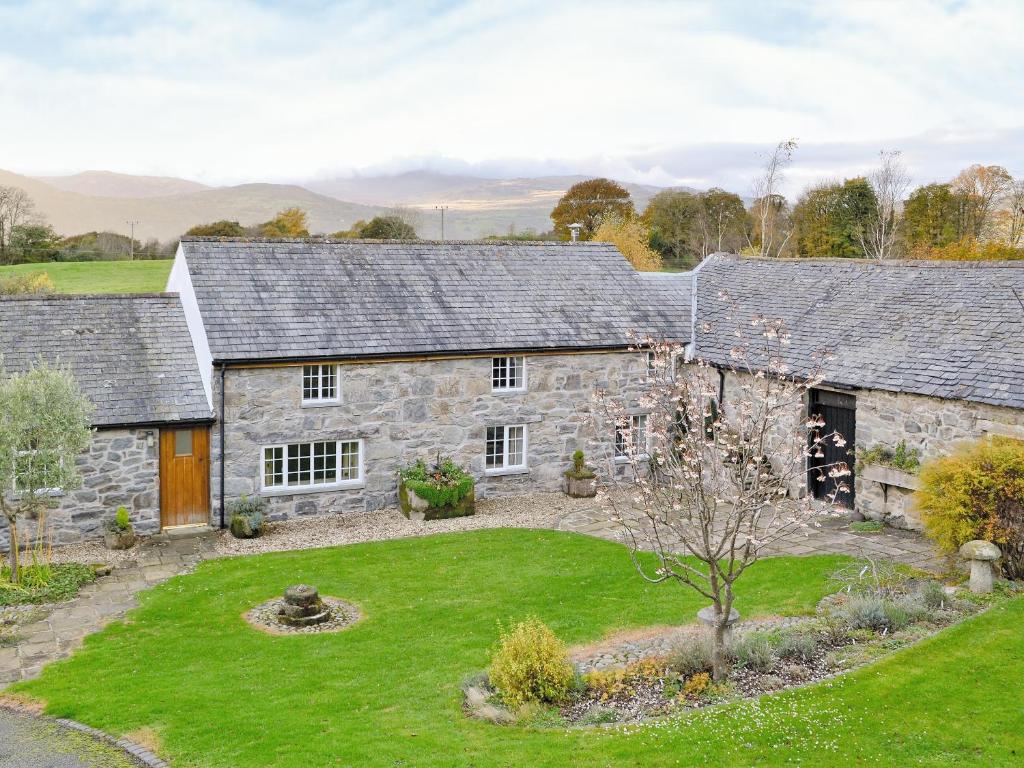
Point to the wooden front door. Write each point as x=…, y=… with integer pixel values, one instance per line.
x=184, y=476
x=839, y=412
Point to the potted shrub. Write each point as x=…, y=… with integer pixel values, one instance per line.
x=580, y=481
x=247, y=516
x=118, y=532
x=433, y=493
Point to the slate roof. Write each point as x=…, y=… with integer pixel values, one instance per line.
x=290, y=299
x=131, y=355
x=946, y=329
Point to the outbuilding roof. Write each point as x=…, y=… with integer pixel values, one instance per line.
x=131, y=355
x=311, y=298
x=946, y=329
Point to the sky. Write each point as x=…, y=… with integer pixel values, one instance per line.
x=666, y=93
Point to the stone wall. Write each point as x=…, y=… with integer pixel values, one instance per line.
x=929, y=424
x=409, y=410
x=120, y=468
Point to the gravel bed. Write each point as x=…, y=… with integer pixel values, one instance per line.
x=537, y=510
x=264, y=617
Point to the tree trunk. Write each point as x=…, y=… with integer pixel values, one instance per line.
x=719, y=666
x=12, y=529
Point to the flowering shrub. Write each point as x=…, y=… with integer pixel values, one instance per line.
x=531, y=665
x=442, y=485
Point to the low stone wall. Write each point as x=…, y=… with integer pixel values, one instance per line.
x=409, y=410
x=120, y=468
x=929, y=424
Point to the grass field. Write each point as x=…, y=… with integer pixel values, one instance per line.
x=387, y=691
x=101, y=276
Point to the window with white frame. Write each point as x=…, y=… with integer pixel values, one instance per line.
x=506, y=448
x=631, y=439
x=508, y=373
x=34, y=463
x=319, y=384
x=330, y=463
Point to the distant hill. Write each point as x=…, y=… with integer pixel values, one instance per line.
x=107, y=184
x=166, y=207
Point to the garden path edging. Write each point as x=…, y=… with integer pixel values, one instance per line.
x=140, y=753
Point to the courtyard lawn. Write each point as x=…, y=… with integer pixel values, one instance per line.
x=101, y=276
x=387, y=691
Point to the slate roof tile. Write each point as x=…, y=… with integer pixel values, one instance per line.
x=131, y=355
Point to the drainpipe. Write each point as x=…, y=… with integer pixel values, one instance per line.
x=721, y=388
x=223, y=368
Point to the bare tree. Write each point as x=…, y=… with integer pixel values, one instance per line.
x=1015, y=213
x=710, y=478
x=890, y=182
x=16, y=209
x=769, y=204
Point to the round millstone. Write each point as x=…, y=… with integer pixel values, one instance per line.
x=335, y=615
x=302, y=594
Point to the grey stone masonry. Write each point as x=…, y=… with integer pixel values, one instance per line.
x=121, y=467
x=419, y=409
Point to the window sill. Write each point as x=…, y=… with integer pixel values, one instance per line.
x=320, y=403
x=350, y=486
x=506, y=472
x=628, y=459
x=509, y=391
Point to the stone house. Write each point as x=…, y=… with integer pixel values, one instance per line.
x=929, y=353
x=133, y=358
x=332, y=364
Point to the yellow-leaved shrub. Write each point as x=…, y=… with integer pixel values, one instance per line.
x=977, y=492
x=531, y=665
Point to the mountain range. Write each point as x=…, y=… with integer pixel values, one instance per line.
x=165, y=207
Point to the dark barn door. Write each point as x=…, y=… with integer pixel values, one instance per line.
x=839, y=412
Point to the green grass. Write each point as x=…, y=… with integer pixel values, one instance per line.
x=387, y=691
x=101, y=276
x=866, y=526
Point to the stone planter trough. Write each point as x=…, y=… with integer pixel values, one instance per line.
x=416, y=508
x=580, y=487
x=890, y=476
x=119, y=539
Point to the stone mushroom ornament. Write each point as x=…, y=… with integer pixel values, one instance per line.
x=982, y=556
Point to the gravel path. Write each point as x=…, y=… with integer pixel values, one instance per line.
x=27, y=741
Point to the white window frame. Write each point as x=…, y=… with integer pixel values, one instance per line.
x=18, y=493
x=636, y=433
x=506, y=468
x=286, y=487
x=520, y=380
x=670, y=369
x=320, y=400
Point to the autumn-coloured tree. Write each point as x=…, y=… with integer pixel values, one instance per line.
x=889, y=181
x=291, y=222
x=632, y=238
x=587, y=204
x=710, y=480
x=222, y=228
x=769, y=235
x=1011, y=217
x=830, y=219
x=979, y=188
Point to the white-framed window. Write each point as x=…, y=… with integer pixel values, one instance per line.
x=632, y=441
x=662, y=368
x=505, y=449
x=310, y=466
x=508, y=374
x=22, y=461
x=320, y=384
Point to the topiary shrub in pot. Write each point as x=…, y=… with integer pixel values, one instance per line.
x=247, y=516
x=434, y=493
x=118, y=532
x=580, y=481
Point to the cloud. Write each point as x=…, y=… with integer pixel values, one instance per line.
x=662, y=92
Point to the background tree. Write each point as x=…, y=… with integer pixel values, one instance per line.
x=31, y=243
x=709, y=479
x=16, y=210
x=632, y=238
x=388, y=228
x=723, y=222
x=1011, y=218
x=44, y=426
x=673, y=217
x=931, y=217
x=352, y=232
x=830, y=219
x=769, y=235
x=588, y=203
x=978, y=189
x=291, y=222
x=222, y=228
x=889, y=182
